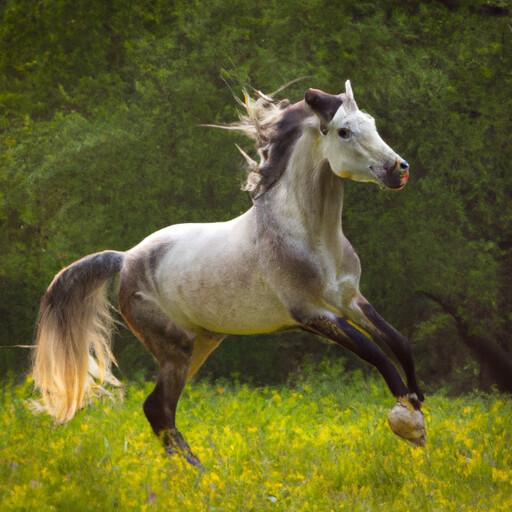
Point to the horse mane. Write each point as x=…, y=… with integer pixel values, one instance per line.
x=275, y=126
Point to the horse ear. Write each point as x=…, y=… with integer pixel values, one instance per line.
x=323, y=105
x=349, y=95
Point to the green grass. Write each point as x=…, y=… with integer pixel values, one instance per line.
x=320, y=445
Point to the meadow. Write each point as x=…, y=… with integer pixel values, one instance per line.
x=320, y=443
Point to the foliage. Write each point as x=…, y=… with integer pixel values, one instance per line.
x=100, y=104
x=321, y=444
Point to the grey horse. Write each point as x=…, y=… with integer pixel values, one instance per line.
x=283, y=264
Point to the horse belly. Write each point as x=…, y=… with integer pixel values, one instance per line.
x=247, y=315
x=224, y=300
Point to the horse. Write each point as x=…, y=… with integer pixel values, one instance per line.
x=283, y=264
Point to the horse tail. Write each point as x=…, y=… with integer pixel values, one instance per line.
x=73, y=354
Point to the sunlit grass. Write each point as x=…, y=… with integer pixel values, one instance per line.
x=320, y=445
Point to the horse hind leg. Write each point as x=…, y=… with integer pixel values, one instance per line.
x=172, y=347
x=204, y=345
x=160, y=410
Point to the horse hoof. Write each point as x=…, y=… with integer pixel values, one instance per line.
x=189, y=457
x=192, y=459
x=408, y=423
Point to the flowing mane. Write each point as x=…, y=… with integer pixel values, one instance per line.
x=275, y=126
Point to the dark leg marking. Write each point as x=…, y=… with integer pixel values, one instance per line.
x=342, y=332
x=172, y=440
x=398, y=343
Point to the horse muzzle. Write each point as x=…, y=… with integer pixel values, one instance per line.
x=394, y=175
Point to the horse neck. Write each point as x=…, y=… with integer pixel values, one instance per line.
x=307, y=201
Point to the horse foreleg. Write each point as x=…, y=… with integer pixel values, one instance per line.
x=406, y=419
x=343, y=333
x=384, y=333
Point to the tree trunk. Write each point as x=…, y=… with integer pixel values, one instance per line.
x=495, y=363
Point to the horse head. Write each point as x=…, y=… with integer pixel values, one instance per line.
x=350, y=141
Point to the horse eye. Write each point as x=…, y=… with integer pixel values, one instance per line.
x=344, y=133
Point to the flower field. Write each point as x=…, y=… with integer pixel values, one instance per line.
x=320, y=444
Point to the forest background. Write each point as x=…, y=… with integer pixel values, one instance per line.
x=100, y=145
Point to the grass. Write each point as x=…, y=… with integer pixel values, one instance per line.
x=320, y=445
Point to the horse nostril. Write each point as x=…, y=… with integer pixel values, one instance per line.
x=404, y=165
